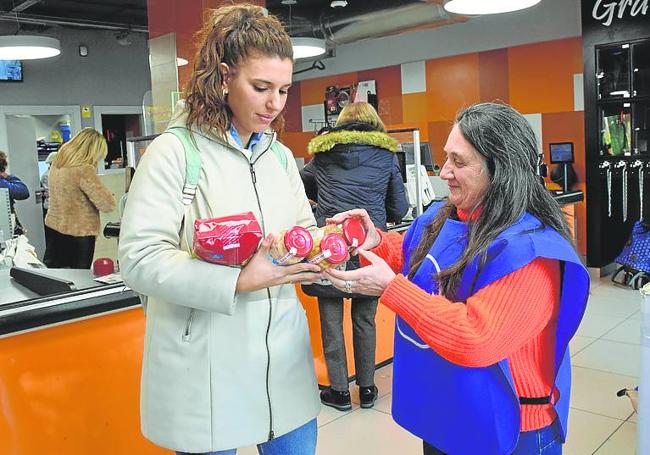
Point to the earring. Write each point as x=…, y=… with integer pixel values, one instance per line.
x=225, y=92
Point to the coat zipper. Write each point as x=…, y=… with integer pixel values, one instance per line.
x=268, y=293
x=187, y=333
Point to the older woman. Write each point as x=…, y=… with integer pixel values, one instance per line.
x=488, y=291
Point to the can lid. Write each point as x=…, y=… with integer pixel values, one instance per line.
x=337, y=247
x=354, y=232
x=299, y=239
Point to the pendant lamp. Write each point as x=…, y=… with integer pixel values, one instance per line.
x=478, y=7
x=307, y=47
x=28, y=47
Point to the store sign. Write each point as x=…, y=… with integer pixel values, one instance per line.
x=606, y=12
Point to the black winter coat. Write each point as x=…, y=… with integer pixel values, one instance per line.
x=355, y=169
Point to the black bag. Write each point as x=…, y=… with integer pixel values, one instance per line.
x=329, y=291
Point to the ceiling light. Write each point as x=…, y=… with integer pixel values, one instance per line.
x=180, y=61
x=338, y=3
x=28, y=47
x=307, y=47
x=476, y=7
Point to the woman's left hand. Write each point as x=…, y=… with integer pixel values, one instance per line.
x=370, y=280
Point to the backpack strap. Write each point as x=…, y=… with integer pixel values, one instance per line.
x=280, y=154
x=192, y=163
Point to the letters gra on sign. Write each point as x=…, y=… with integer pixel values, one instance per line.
x=607, y=11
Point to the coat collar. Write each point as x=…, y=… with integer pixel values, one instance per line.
x=327, y=141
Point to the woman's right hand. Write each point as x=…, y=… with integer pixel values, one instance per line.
x=372, y=236
x=261, y=273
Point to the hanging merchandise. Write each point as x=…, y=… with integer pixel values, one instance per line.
x=639, y=164
x=616, y=134
x=608, y=175
x=623, y=165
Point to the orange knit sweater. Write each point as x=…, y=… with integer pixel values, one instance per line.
x=513, y=318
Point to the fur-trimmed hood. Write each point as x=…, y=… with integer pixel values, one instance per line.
x=328, y=141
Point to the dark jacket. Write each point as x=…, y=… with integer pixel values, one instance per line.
x=355, y=169
x=17, y=189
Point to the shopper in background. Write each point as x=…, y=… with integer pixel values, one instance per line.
x=76, y=196
x=18, y=191
x=227, y=359
x=488, y=291
x=354, y=165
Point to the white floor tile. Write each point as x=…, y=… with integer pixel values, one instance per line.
x=578, y=343
x=595, y=391
x=623, y=442
x=366, y=431
x=597, y=325
x=629, y=331
x=385, y=404
x=612, y=303
x=587, y=432
x=329, y=414
x=605, y=355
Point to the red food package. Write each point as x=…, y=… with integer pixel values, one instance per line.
x=229, y=240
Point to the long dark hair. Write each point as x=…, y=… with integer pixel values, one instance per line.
x=503, y=137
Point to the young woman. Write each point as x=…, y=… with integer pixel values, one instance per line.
x=76, y=196
x=227, y=360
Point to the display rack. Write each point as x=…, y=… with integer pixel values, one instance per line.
x=617, y=153
x=5, y=216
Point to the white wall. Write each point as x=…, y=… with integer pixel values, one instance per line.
x=549, y=20
x=110, y=75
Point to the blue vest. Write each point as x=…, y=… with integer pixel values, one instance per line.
x=467, y=411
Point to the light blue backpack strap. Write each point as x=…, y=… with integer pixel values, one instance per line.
x=280, y=154
x=192, y=163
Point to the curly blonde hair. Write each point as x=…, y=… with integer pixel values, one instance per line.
x=86, y=147
x=230, y=35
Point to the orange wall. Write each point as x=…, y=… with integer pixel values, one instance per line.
x=535, y=78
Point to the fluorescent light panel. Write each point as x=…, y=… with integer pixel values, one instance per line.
x=478, y=7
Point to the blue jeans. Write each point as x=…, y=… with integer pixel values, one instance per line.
x=545, y=441
x=301, y=441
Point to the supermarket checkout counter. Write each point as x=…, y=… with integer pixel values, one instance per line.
x=70, y=363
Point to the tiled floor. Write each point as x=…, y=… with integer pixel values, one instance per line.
x=605, y=354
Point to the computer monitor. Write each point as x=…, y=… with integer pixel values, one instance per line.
x=561, y=152
x=401, y=162
x=426, y=159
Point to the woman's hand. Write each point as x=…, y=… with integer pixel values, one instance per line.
x=369, y=280
x=372, y=237
x=261, y=273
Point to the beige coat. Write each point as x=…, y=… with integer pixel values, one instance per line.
x=77, y=195
x=204, y=375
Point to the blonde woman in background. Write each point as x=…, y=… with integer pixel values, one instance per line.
x=77, y=195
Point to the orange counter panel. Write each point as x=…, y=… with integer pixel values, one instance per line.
x=74, y=389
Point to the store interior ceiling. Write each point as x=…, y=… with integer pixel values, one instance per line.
x=39, y=15
x=350, y=21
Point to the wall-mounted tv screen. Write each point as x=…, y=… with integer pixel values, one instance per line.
x=11, y=70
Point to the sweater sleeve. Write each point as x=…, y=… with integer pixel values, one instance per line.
x=389, y=249
x=493, y=324
x=99, y=195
